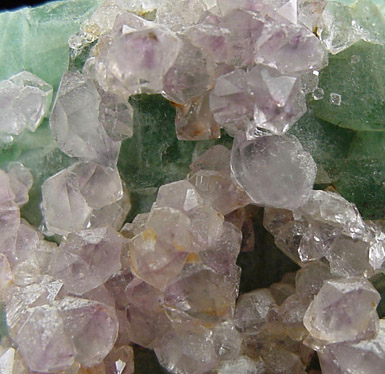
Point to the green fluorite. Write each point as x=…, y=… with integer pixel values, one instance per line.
x=358, y=76
x=36, y=39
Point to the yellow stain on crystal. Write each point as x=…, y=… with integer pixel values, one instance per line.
x=192, y=258
x=149, y=235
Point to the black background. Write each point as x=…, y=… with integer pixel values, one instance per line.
x=14, y=4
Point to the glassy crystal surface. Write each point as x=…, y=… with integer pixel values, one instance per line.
x=24, y=101
x=366, y=356
x=74, y=118
x=271, y=168
x=343, y=310
x=87, y=259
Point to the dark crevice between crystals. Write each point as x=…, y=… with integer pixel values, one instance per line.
x=146, y=361
x=266, y=264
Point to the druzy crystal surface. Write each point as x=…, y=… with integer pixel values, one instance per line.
x=192, y=186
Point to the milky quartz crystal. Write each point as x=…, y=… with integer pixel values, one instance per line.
x=252, y=309
x=343, y=310
x=87, y=259
x=242, y=364
x=190, y=76
x=272, y=168
x=75, y=124
x=187, y=351
x=25, y=100
x=262, y=98
x=123, y=73
x=364, y=357
x=86, y=188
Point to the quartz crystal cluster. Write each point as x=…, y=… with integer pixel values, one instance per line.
x=265, y=123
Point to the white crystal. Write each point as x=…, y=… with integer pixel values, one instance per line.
x=177, y=15
x=87, y=259
x=24, y=102
x=273, y=170
x=75, y=124
x=343, y=310
x=252, y=309
x=190, y=76
x=120, y=71
x=75, y=192
x=367, y=356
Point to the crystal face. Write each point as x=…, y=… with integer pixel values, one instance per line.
x=272, y=168
x=192, y=186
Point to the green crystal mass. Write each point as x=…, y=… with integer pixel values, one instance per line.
x=36, y=39
x=351, y=161
x=357, y=76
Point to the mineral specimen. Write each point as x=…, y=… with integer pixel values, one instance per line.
x=133, y=224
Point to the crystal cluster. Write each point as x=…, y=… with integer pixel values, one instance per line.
x=89, y=285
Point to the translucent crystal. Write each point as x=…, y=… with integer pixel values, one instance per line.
x=310, y=278
x=291, y=313
x=310, y=12
x=259, y=99
x=43, y=342
x=291, y=49
x=24, y=101
x=343, y=310
x=145, y=328
x=116, y=116
x=114, y=214
x=364, y=357
x=103, y=19
x=212, y=38
x=349, y=257
x=242, y=364
x=216, y=185
x=230, y=102
x=92, y=326
x=279, y=100
x=21, y=181
x=278, y=358
x=185, y=351
x=5, y=275
x=336, y=29
x=288, y=232
x=222, y=255
x=252, y=309
x=245, y=29
x=281, y=9
x=75, y=193
x=182, y=295
x=124, y=73
x=7, y=361
x=181, y=14
x=317, y=241
x=227, y=341
x=190, y=76
x=331, y=208
x=194, y=121
x=87, y=259
x=75, y=125
x=153, y=260
x=273, y=170
x=180, y=195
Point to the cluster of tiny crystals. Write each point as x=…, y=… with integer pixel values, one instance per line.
x=169, y=280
